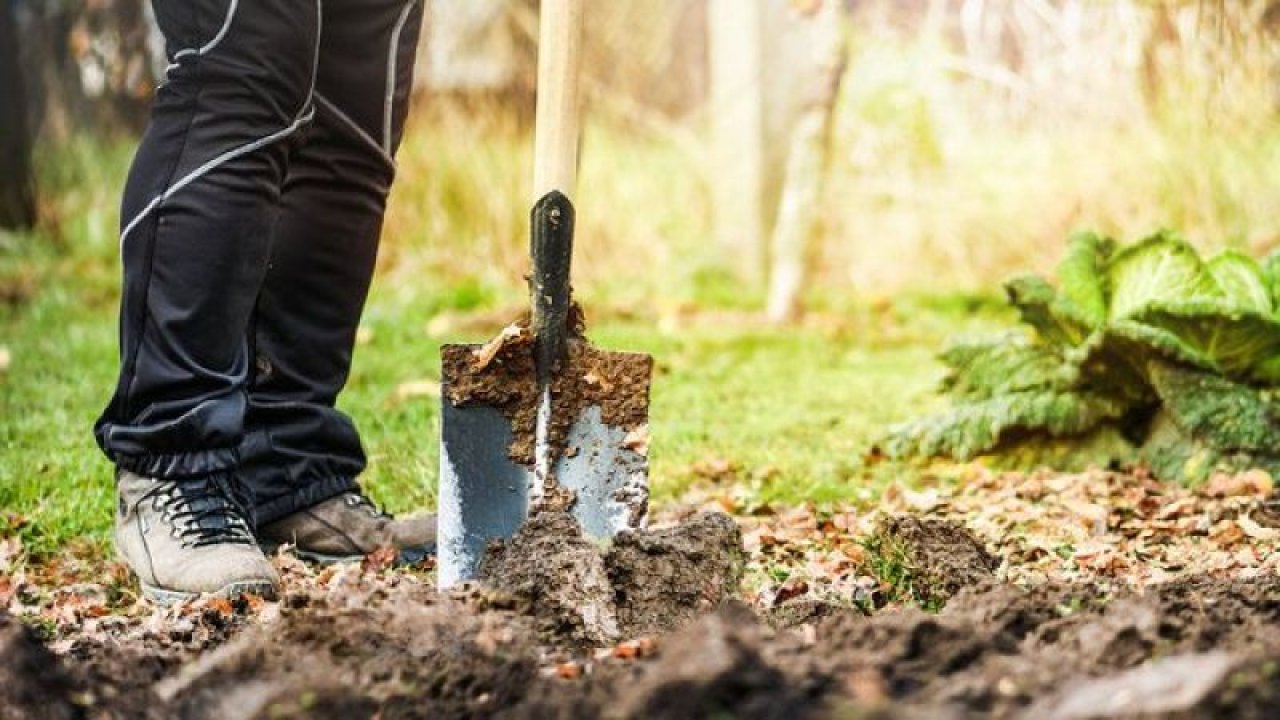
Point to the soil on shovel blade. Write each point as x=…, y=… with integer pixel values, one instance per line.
x=518, y=647
x=500, y=374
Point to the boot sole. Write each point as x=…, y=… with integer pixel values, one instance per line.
x=167, y=597
x=407, y=556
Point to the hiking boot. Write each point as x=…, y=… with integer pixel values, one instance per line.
x=348, y=527
x=190, y=537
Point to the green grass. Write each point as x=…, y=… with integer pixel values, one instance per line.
x=794, y=410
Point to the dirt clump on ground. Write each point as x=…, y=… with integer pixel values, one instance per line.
x=666, y=577
x=937, y=558
x=33, y=683
x=646, y=582
x=557, y=576
x=500, y=374
x=717, y=667
x=410, y=653
x=998, y=650
x=801, y=612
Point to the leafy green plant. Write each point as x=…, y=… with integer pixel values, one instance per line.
x=1146, y=353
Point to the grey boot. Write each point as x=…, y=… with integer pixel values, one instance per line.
x=348, y=527
x=185, y=538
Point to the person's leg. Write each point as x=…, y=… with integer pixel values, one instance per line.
x=196, y=223
x=300, y=450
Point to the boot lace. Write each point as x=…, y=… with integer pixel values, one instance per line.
x=205, y=511
x=359, y=500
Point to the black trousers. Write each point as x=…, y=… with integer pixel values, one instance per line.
x=249, y=231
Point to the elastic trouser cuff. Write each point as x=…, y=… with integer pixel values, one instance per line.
x=302, y=498
x=179, y=465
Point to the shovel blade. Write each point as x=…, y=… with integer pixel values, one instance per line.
x=484, y=495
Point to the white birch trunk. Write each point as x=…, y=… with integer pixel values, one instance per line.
x=738, y=170
x=800, y=208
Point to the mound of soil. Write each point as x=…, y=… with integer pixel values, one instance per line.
x=33, y=683
x=716, y=667
x=939, y=557
x=649, y=581
x=998, y=650
x=557, y=576
x=664, y=578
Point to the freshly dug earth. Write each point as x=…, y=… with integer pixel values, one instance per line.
x=500, y=374
x=554, y=574
x=1199, y=647
x=32, y=683
x=648, y=581
x=664, y=578
x=936, y=558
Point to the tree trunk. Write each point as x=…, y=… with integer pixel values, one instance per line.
x=737, y=116
x=469, y=45
x=17, y=187
x=90, y=65
x=800, y=208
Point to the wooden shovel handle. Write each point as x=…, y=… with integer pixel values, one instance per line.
x=555, y=151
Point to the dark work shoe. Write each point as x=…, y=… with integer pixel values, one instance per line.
x=348, y=527
x=190, y=537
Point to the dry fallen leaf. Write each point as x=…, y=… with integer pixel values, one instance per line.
x=380, y=559
x=637, y=440
x=714, y=469
x=1256, y=531
x=626, y=651
x=568, y=670
x=487, y=352
x=222, y=606
x=594, y=378
x=921, y=502
x=1252, y=483
x=412, y=389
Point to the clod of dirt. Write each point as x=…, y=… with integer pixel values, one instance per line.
x=124, y=672
x=935, y=558
x=650, y=581
x=1162, y=687
x=33, y=683
x=801, y=611
x=405, y=656
x=715, y=668
x=558, y=577
x=500, y=374
x=664, y=578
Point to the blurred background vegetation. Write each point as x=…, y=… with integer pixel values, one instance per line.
x=790, y=201
x=967, y=137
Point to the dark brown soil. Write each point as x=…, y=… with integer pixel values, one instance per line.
x=404, y=653
x=501, y=374
x=554, y=574
x=1196, y=648
x=938, y=557
x=647, y=582
x=664, y=578
x=32, y=682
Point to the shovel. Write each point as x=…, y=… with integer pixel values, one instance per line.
x=537, y=418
